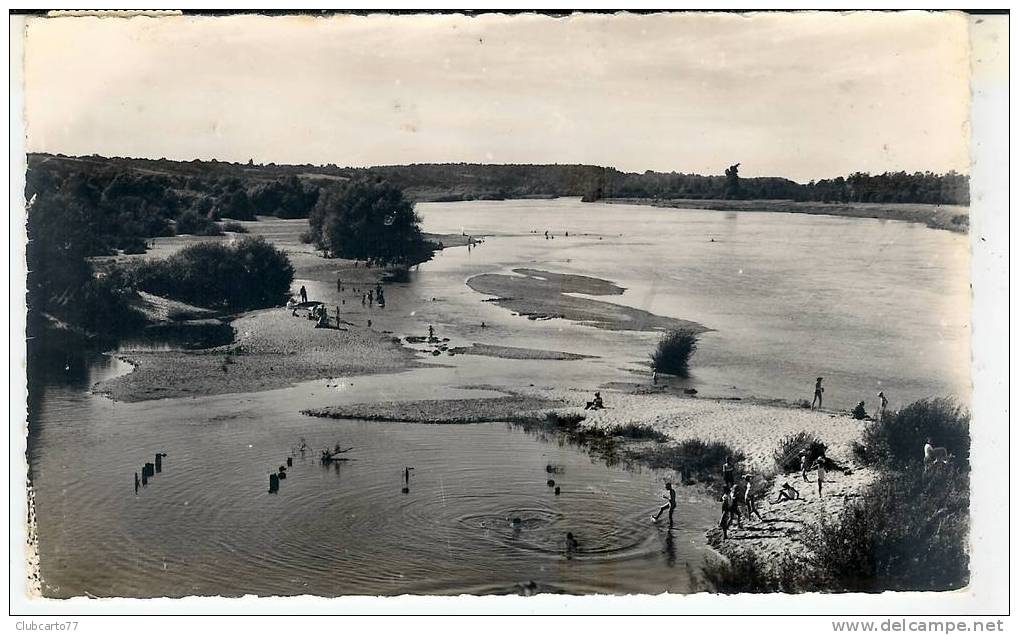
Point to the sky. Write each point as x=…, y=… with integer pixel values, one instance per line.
x=804, y=96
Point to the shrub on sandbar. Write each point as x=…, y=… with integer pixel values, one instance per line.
x=898, y=439
x=672, y=355
x=248, y=274
x=787, y=454
x=908, y=532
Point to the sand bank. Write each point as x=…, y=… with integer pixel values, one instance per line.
x=272, y=349
x=450, y=411
x=513, y=352
x=541, y=295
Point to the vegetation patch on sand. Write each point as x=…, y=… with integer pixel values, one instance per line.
x=544, y=295
x=513, y=352
x=450, y=411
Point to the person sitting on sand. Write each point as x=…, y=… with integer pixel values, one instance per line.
x=748, y=498
x=787, y=493
x=596, y=404
x=670, y=497
x=323, y=318
x=818, y=394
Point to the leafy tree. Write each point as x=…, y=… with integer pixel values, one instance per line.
x=367, y=219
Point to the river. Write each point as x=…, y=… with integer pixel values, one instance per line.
x=870, y=305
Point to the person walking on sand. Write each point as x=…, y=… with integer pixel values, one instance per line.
x=804, y=465
x=821, y=466
x=748, y=498
x=818, y=394
x=728, y=473
x=304, y=294
x=363, y=299
x=669, y=496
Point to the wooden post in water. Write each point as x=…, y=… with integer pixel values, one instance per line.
x=290, y=461
x=274, y=483
x=145, y=476
x=159, y=462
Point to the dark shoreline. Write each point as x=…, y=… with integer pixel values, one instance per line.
x=947, y=217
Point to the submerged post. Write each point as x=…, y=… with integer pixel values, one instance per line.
x=159, y=462
x=274, y=483
x=290, y=461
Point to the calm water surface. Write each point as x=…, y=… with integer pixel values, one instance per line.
x=870, y=305
x=207, y=526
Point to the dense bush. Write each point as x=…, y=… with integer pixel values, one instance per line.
x=744, y=571
x=693, y=459
x=909, y=532
x=637, y=431
x=899, y=437
x=235, y=227
x=246, y=275
x=673, y=353
x=190, y=222
x=787, y=454
x=286, y=198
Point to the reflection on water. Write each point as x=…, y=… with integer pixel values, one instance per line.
x=207, y=525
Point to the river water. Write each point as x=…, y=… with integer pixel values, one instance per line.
x=206, y=525
x=870, y=305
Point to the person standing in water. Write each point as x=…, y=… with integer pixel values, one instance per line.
x=304, y=294
x=818, y=394
x=670, y=496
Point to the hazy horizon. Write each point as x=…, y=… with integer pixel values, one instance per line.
x=802, y=96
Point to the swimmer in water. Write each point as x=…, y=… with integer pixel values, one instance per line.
x=572, y=545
